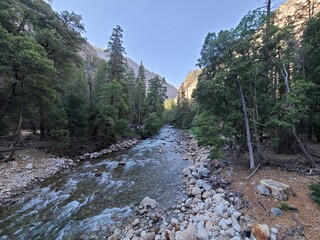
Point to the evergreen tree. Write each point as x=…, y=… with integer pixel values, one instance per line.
x=140, y=94
x=156, y=95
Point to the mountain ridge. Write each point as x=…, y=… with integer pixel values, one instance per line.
x=171, y=90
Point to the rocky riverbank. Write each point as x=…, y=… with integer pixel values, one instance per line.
x=32, y=165
x=209, y=211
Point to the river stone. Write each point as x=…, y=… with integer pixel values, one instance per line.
x=263, y=190
x=206, y=186
x=199, y=183
x=276, y=211
x=129, y=234
x=135, y=222
x=148, y=202
x=29, y=166
x=195, y=191
x=236, y=214
x=220, y=209
x=230, y=232
x=237, y=227
x=122, y=163
x=260, y=231
x=188, y=202
x=189, y=233
x=203, y=172
x=206, y=194
x=14, y=164
x=202, y=234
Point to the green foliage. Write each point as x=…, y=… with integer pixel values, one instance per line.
x=156, y=95
x=151, y=125
x=284, y=205
x=315, y=191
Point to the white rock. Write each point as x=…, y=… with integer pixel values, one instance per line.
x=148, y=202
x=220, y=209
x=237, y=227
x=135, y=222
x=129, y=234
x=174, y=221
x=206, y=194
x=189, y=233
x=195, y=191
x=202, y=234
x=29, y=166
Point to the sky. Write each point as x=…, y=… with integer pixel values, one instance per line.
x=166, y=35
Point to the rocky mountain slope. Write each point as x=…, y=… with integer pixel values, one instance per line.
x=189, y=84
x=171, y=90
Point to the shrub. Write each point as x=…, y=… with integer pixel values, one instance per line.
x=315, y=191
x=151, y=125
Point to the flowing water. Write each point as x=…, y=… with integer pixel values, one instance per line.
x=76, y=202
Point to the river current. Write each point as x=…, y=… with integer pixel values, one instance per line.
x=76, y=202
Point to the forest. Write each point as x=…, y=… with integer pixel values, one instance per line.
x=258, y=91
x=46, y=86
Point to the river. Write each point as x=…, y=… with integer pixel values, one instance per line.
x=76, y=202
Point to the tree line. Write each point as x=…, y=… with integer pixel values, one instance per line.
x=45, y=85
x=258, y=89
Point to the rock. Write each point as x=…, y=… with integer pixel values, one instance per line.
x=274, y=230
x=260, y=231
x=122, y=163
x=114, y=237
x=276, y=211
x=230, y=232
x=206, y=194
x=98, y=174
x=189, y=233
x=206, y=186
x=237, y=227
x=188, y=202
x=148, y=202
x=203, y=172
x=289, y=232
x=263, y=190
x=150, y=236
x=129, y=234
x=202, y=234
x=236, y=214
x=195, y=191
x=29, y=166
x=135, y=222
x=220, y=209
x=279, y=190
x=14, y=164
x=174, y=221
x=199, y=183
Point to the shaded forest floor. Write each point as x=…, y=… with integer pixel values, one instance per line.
x=292, y=224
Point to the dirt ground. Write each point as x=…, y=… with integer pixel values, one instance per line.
x=306, y=218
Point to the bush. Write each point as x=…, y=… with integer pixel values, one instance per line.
x=151, y=125
x=315, y=191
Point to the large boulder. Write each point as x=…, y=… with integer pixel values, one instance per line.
x=279, y=190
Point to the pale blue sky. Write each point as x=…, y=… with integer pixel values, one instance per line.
x=166, y=35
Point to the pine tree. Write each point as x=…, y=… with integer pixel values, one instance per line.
x=140, y=94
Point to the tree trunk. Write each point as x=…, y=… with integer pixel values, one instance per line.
x=246, y=120
x=307, y=156
x=18, y=132
x=42, y=124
